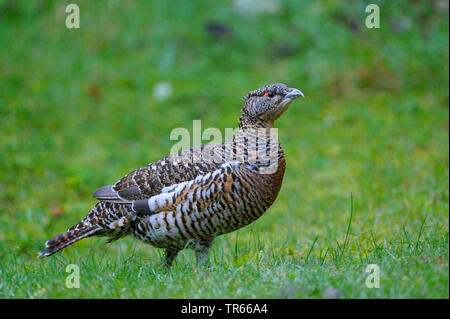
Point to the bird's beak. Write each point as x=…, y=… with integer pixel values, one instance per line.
x=293, y=94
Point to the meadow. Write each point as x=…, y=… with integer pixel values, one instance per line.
x=367, y=177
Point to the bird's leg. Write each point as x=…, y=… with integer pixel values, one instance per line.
x=201, y=249
x=169, y=257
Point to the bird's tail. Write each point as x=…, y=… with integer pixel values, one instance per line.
x=105, y=219
x=63, y=240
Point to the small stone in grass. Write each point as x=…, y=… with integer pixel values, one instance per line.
x=331, y=293
x=162, y=91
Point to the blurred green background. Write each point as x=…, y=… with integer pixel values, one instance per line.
x=80, y=108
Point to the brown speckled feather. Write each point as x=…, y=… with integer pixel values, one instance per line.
x=149, y=180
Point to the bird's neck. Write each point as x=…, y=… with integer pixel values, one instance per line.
x=256, y=142
x=250, y=127
x=247, y=121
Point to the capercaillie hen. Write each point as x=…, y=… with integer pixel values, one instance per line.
x=187, y=199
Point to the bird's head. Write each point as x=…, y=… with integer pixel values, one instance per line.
x=266, y=104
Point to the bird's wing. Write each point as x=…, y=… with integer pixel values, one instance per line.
x=226, y=185
x=149, y=180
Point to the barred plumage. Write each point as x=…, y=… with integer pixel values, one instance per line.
x=187, y=199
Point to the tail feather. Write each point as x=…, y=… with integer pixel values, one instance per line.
x=105, y=219
x=61, y=241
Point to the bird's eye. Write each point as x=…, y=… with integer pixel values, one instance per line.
x=268, y=94
x=271, y=94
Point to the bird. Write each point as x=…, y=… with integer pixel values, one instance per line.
x=186, y=199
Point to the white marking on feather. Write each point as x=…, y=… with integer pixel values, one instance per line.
x=185, y=207
x=205, y=178
x=186, y=165
x=170, y=219
x=180, y=187
x=178, y=217
x=233, y=163
x=160, y=200
x=163, y=163
x=176, y=188
x=151, y=203
x=163, y=199
x=121, y=221
x=168, y=189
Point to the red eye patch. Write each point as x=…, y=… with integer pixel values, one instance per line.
x=266, y=94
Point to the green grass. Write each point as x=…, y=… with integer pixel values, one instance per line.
x=367, y=149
